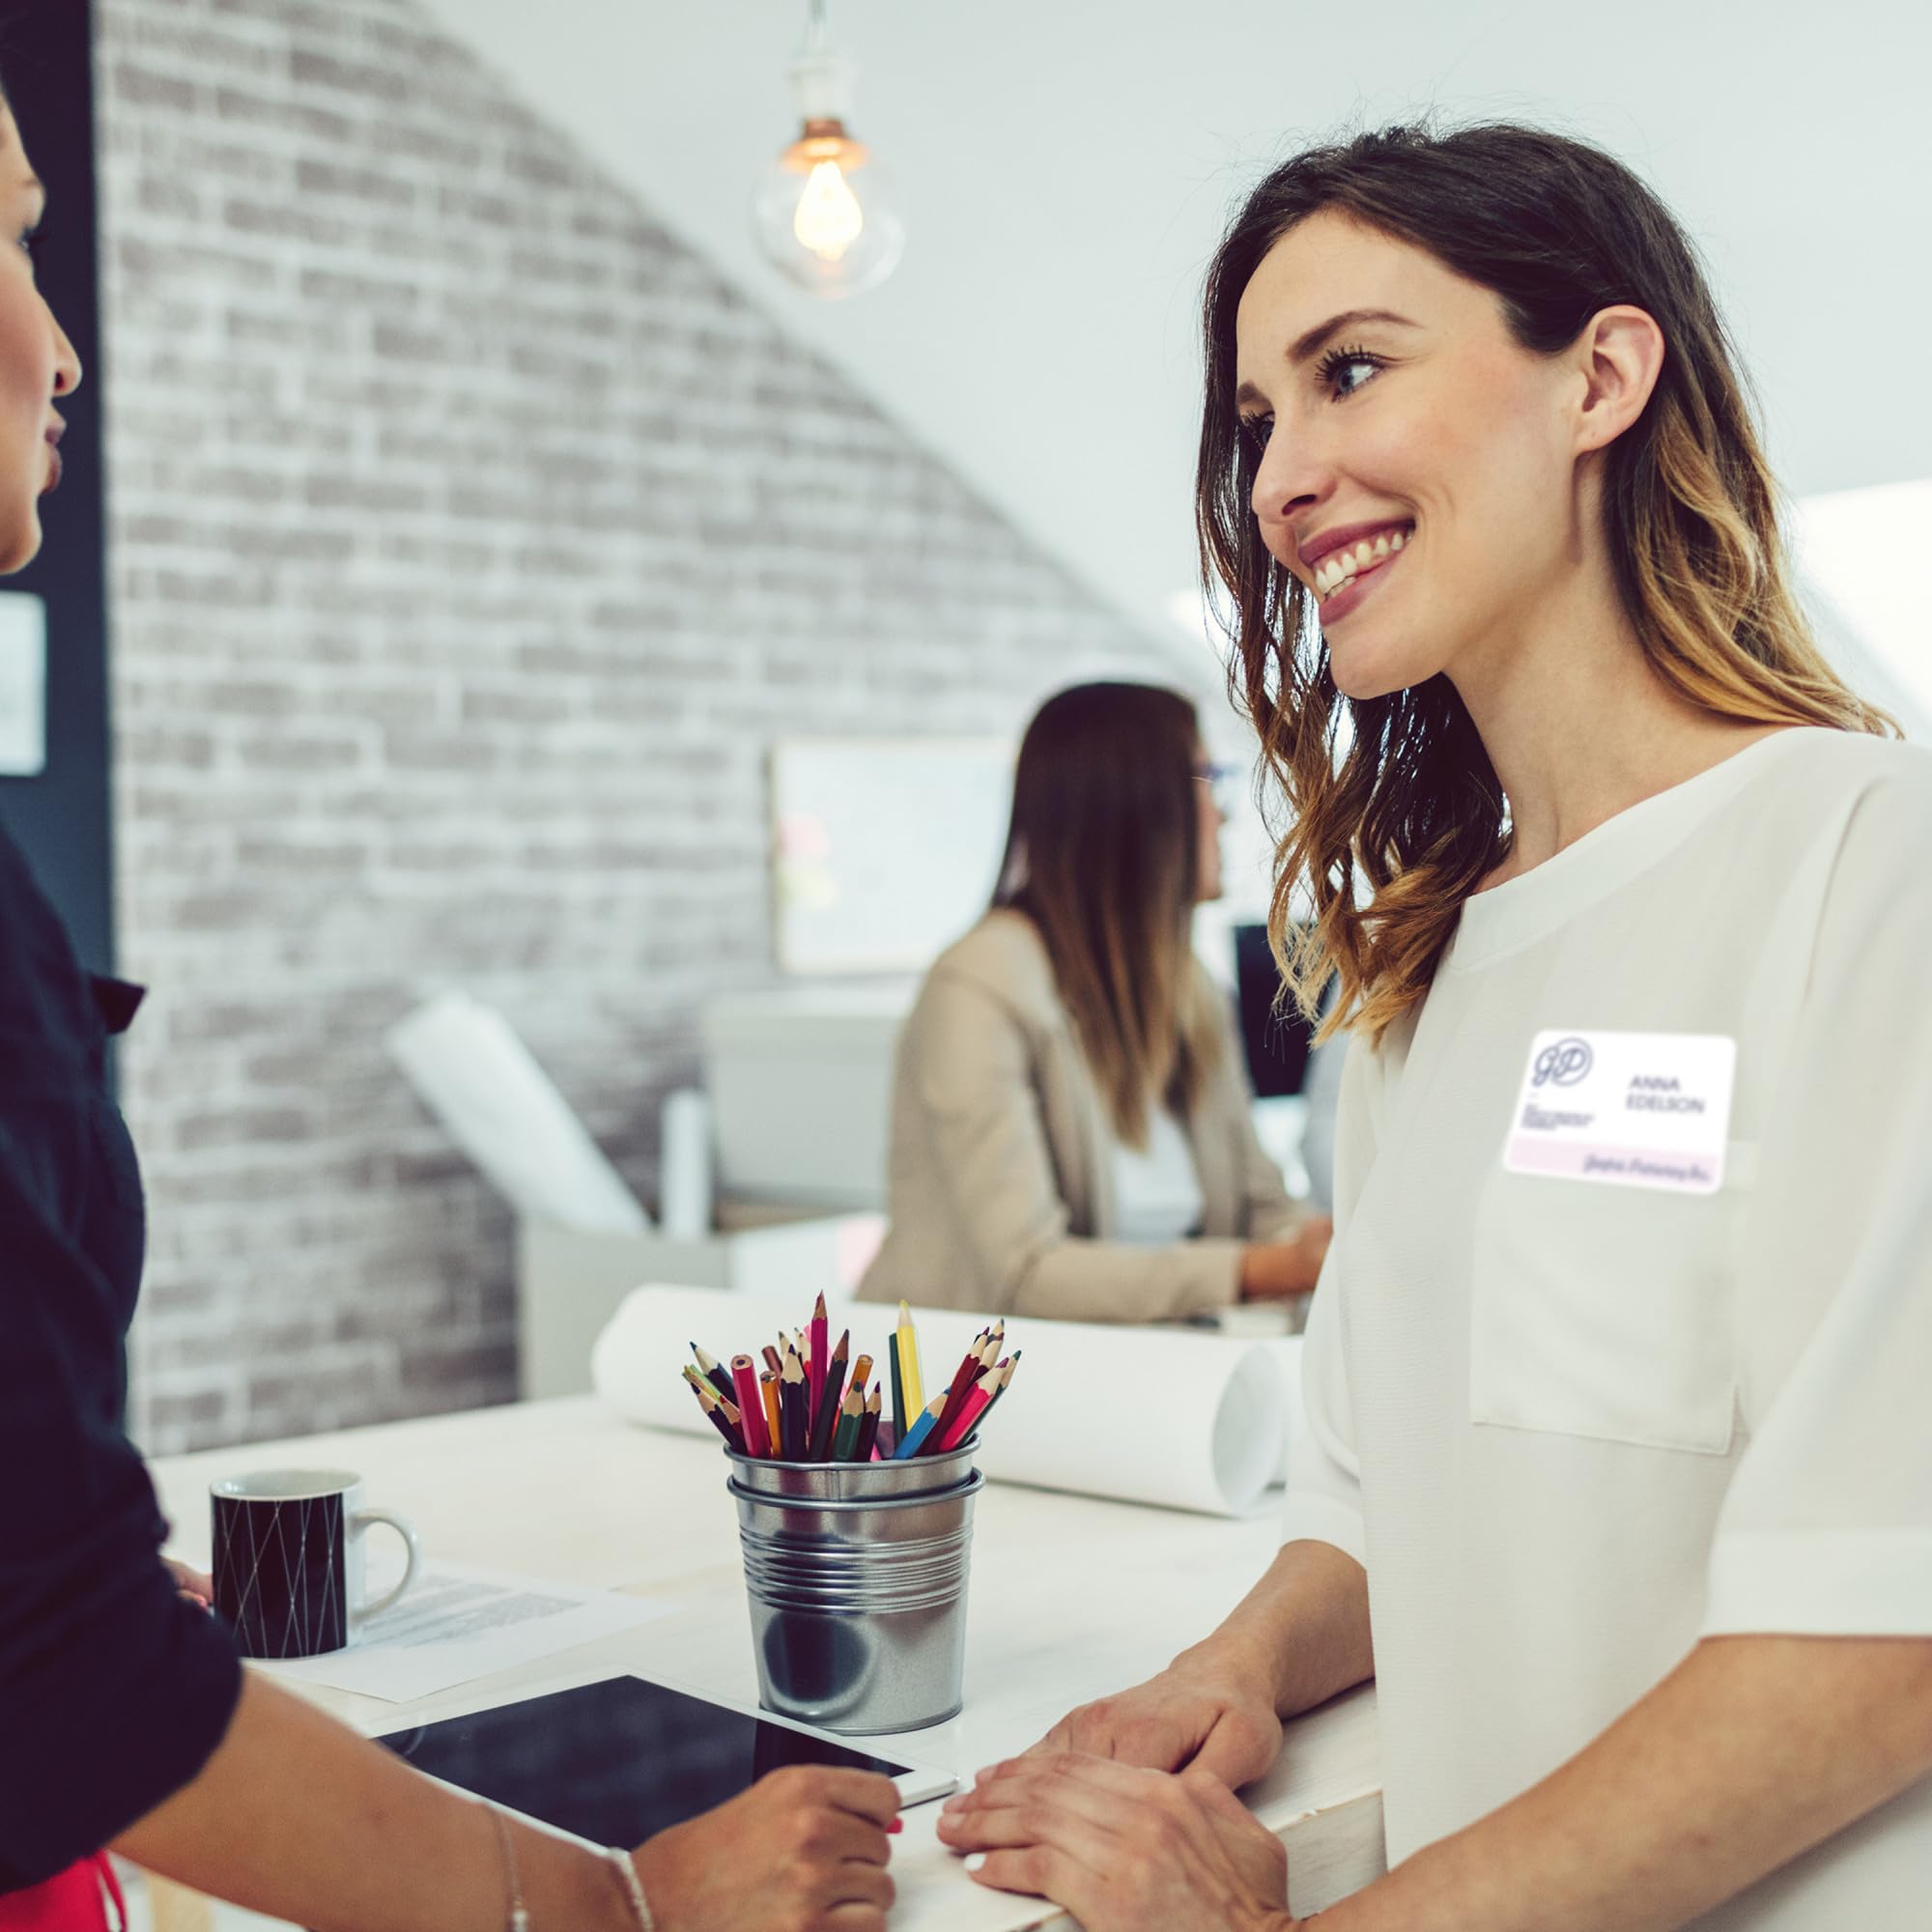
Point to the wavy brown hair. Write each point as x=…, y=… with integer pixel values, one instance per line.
x=1102, y=855
x=1394, y=812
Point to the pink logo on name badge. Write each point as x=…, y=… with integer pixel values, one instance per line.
x=1627, y=1109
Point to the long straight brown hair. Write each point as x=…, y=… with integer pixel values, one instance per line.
x=1102, y=855
x=1394, y=812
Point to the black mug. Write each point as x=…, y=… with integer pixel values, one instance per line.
x=288, y=1559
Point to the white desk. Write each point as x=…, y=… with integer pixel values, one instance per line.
x=1070, y=1598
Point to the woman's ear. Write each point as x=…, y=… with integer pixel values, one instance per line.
x=1620, y=356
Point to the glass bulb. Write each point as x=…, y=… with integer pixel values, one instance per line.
x=828, y=218
x=824, y=215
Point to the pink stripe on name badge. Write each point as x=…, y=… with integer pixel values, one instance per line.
x=1629, y=1166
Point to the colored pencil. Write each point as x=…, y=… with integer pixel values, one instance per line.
x=818, y=1366
x=1005, y=1382
x=911, y=1445
x=862, y=1372
x=794, y=1409
x=750, y=1408
x=868, y=1427
x=831, y=1393
x=707, y=1367
x=772, y=1361
x=915, y=1391
x=898, y=1381
x=964, y=1376
x=768, y=1395
x=977, y=1397
x=851, y=1416
x=714, y=1405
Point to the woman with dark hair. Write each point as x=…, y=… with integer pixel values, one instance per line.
x=1617, y=1472
x=125, y=1717
x=1070, y=1131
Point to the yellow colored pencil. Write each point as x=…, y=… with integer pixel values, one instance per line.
x=908, y=1346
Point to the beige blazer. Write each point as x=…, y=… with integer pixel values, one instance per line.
x=1000, y=1176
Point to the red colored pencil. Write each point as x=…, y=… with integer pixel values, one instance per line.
x=979, y=1398
x=750, y=1406
x=821, y=1354
x=968, y=1371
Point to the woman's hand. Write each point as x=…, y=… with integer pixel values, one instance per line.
x=1272, y=1270
x=804, y=1850
x=1196, y=1713
x=1123, y=1849
x=196, y=1585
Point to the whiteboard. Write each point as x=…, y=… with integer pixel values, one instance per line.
x=885, y=850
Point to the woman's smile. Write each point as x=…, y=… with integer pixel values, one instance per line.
x=1342, y=571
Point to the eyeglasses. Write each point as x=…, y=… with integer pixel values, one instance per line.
x=1220, y=779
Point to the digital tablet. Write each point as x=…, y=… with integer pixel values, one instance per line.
x=621, y=1757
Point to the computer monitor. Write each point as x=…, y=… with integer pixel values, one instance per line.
x=1275, y=1036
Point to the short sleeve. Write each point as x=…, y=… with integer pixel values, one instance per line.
x=1324, y=1494
x=1827, y=1526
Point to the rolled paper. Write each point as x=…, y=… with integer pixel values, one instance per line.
x=1212, y=1441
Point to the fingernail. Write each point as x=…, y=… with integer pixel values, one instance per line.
x=898, y=1825
x=975, y=1859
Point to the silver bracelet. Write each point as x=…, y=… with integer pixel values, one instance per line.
x=634, y=1889
x=519, y=1917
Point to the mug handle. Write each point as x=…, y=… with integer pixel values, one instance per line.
x=413, y=1562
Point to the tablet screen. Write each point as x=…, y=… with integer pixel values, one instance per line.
x=616, y=1761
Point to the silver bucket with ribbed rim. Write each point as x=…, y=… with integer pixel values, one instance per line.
x=856, y=1573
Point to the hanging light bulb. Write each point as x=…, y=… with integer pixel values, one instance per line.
x=824, y=213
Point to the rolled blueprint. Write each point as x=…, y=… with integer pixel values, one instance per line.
x=504, y=1112
x=1145, y=1416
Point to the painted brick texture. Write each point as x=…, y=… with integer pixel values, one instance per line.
x=471, y=543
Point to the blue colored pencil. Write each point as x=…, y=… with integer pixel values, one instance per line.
x=919, y=1430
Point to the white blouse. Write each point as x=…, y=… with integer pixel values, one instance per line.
x=1575, y=1410
x=1156, y=1190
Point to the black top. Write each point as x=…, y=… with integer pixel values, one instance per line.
x=113, y=1689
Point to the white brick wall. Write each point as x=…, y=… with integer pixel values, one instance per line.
x=470, y=542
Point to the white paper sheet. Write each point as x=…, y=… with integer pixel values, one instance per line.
x=1150, y=1415
x=504, y=1112
x=460, y=1622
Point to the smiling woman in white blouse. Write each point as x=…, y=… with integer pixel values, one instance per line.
x=1617, y=1467
x=1070, y=1132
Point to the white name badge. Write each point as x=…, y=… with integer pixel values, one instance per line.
x=1633, y=1109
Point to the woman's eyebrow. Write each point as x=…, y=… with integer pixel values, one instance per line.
x=1307, y=345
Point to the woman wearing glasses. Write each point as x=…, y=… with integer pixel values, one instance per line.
x=1070, y=1131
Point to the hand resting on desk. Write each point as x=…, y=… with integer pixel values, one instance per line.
x=1124, y=1849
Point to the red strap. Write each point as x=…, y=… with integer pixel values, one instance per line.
x=76, y=1900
